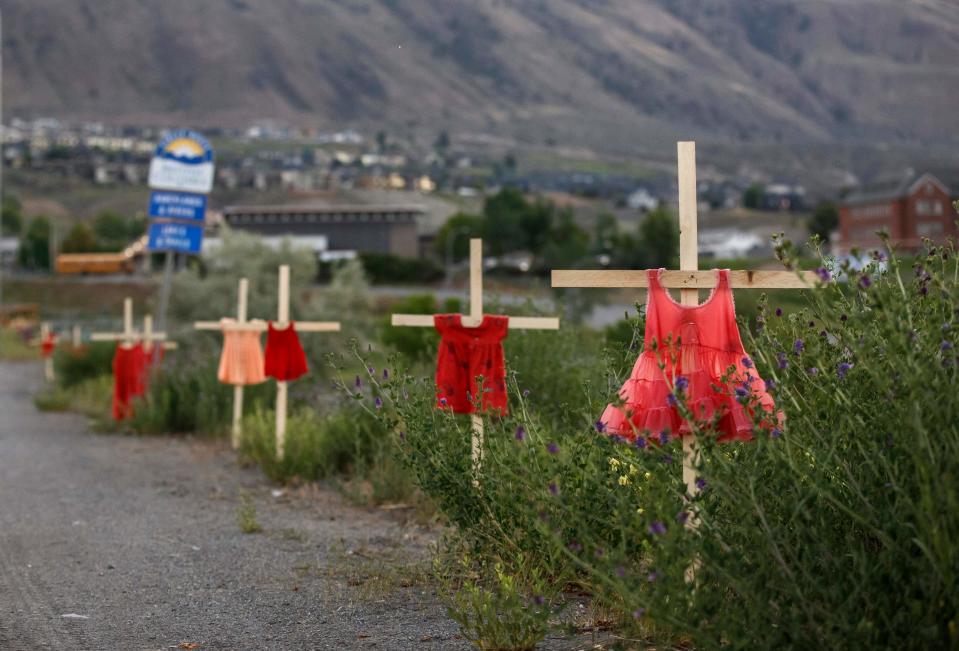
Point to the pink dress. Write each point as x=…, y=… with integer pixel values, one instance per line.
x=697, y=346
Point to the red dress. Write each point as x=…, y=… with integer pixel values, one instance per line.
x=284, y=357
x=47, y=345
x=466, y=353
x=699, y=344
x=129, y=368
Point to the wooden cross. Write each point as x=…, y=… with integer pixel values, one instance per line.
x=689, y=280
x=242, y=301
x=474, y=319
x=130, y=334
x=76, y=336
x=45, y=332
x=257, y=325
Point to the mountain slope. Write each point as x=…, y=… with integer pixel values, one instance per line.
x=596, y=72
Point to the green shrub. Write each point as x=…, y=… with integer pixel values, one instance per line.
x=392, y=269
x=317, y=445
x=837, y=531
x=76, y=365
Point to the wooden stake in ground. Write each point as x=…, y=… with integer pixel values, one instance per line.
x=688, y=279
x=474, y=319
x=282, y=322
x=76, y=336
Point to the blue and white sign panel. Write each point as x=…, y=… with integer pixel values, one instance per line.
x=175, y=237
x=183, y=162
x=178, y=205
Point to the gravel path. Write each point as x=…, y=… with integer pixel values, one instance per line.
x=113, y=542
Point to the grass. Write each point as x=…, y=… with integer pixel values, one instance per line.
x=246, y=515
x=91, y=397
x=14, y=349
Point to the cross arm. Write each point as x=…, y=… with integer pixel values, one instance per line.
x=747, y=279
x=515, y=322
x=258, y=325
x=122, y=336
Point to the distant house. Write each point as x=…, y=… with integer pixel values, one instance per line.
x=375, y=229
x=909, y=209
x=783, y=196
x=642, y=200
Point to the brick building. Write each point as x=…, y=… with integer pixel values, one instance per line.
x=918, y=207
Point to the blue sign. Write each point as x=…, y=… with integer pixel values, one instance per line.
x=178, y=238
x=178, y=205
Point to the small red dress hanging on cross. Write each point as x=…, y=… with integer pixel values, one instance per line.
x=466, y=353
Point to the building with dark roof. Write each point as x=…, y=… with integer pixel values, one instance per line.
x=374, y=229
x=911, y=209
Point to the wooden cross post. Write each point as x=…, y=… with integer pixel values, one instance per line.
x=689, y=280
x=148, y=337
x=282, y=322
x=474, y=319
x=76, y=337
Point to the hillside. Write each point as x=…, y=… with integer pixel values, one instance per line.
x=610, y=74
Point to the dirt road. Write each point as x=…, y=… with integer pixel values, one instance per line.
x=114, y=542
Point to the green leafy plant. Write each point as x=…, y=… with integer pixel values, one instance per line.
x=246, y=515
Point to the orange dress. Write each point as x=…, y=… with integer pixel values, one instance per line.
x=241, y=361
x=697, y=346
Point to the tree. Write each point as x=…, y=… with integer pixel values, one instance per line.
x=461, y=227
x=606, y=233
x=568, y=243
x=753, y=196
x=80, y=239
x=659, y=238
x=536, y=222
x=12, y=216
x=35, y=245
x=824, y=220
x=503, y=226
x=114, y=231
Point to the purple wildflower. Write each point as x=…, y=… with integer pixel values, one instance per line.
x=378, y=402
x=682, y=517
x=776, y=433
x=652, y=576
x=386, y=374
x=798, y=346
x=671, y=400
x=783, y=363
x=525, y=393
x=640, y=442
x=616, y=438
x=520, y=433
x=538, y=600
x=842, y=369
x=575, y=546
x=620, y=571
x=657, y=528
x=770, y=385
x=599, y=552
x=742, y=391
x=358, y=382
x=600, y=426
x=748, y=363
x=700, y=483
x=664, y=437
x=682, y=383
x=552, y=448
x=638, y=613
x=371, y=370
x=823, y=274
x=779, y=311
x=812, y=370
x=945, y=345
x=443, y=401
x=553, y=488
x=667, y=458
x=843, y=318
x=865, y=281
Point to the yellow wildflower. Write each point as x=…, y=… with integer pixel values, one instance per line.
x=613, y=463
x=648, y=476
x=623, y=480
x=640, y=510
x=633, y=470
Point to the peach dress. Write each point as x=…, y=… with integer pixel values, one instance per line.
x=242, y=359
